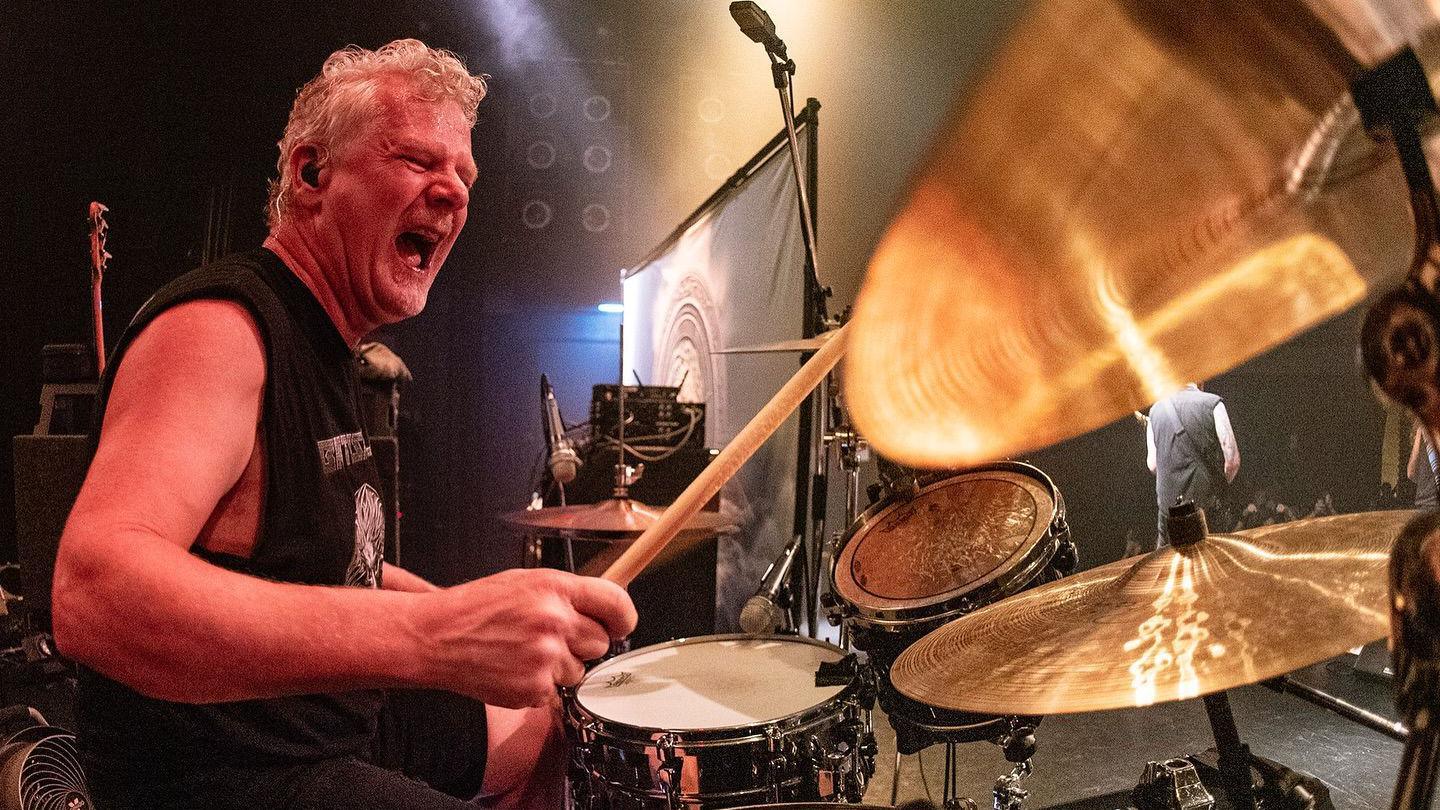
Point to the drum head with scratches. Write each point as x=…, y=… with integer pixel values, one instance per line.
x=957, y=534
x=709, y=683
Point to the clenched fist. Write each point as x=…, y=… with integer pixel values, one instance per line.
x=509, y=639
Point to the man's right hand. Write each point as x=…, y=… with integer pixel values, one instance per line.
x=511, y=638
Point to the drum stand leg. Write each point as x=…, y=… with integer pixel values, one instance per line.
x=952, y=798
x=895, y=780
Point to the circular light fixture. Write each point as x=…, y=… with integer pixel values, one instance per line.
x=543, y=105
x=595, y=218
x=596, y=108
x=540, y=155
x=711, y=109
x=597, y=158
x=536, y=214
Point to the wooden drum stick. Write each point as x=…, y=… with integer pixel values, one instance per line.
x=729, y=462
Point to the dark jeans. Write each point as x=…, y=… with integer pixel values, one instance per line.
x=429, y=754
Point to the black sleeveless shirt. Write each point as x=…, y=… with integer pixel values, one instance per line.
x=322, y=524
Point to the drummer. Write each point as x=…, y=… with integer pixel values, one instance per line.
x=220, y=579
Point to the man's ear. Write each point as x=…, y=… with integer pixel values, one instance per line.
x=309, y=172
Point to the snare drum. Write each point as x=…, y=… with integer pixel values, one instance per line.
x=915, y=561
x=718, y=721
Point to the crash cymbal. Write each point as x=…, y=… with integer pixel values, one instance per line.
x=622, y=517
x=1135, y=194
x=800, y=345
x=1176, y=623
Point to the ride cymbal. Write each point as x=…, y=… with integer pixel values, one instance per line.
x=1177, y=623
x=1135, y=195
x=622, y=518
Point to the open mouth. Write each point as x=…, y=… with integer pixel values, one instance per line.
x=416, y=248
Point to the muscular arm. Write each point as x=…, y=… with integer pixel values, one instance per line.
x=398, y=579
x=1228, y=447
x=1417, y=449
x=1149, y=447
x=131, y=602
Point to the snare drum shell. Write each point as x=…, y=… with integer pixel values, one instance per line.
x=617, y=766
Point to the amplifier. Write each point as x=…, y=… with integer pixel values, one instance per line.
x=656, y=417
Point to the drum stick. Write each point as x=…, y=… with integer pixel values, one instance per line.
x=725, y=465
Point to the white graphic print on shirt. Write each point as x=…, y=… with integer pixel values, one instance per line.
x=364, y=567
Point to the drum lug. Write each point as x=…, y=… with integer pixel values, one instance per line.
x=779, y=762
x=669, y=771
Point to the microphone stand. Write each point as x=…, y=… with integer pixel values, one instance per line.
x=782, y=69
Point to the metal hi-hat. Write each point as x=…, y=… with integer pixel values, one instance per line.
x=1136, y=194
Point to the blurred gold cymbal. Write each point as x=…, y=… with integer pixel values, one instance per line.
x=1176, y=623
x=1135, y=195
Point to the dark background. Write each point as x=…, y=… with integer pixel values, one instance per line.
x=169, y=115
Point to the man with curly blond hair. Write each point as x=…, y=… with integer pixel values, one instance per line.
x=219, y=580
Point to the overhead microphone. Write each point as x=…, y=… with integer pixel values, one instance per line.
x=757, y=25
x=762, y=613
x=564, y=462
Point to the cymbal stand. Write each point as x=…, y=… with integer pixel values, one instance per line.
x=850, y=451
x=1234, y=755
x=1414, y=606
x=1397, y=343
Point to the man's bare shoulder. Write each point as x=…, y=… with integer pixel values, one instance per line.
x=212, y=343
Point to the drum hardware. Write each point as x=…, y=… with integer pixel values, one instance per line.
x=951, y=798
x=1375, y=722
x=935, y=547
x=1248, y=780
x=1397, y=345
x=1008, y=793
x=668, y=770
x=1171, y=785
x=1415, y=644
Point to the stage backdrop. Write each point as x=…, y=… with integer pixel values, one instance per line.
x=734, y=275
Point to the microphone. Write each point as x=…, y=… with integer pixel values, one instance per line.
x=564, y=461
x=762, y=613
x=757, y=25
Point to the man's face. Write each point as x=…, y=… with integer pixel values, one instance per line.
x=393, y=203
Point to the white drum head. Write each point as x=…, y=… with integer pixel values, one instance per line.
x=709, y=683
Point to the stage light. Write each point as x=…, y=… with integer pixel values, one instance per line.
x=543, y=105
x=596, y=108
x=711, y=109
x=595, y=218
x=536, y=214
x=611, y=308
x=540, y=155
x=597, y=158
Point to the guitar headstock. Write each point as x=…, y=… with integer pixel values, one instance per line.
x=98, y=254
